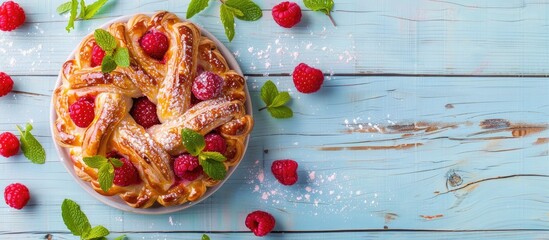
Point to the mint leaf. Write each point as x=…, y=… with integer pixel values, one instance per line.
x=82, y=9
x=268, y=92
x=75, y=220
x=63, y=8
x=104, y=39
x=281, y=112
x=250, y=10
x=205, y=237
x=213, y=156
x=122, y=57
x=216, y=170
x=32, y=149
x=108, y=64
x=236, y=12
x=280, y=99
x=227, y=18
x=74, y=9
x=193, y=141
x=121, y=237
x=325, y=6
x=96, y=232
x=196, y=6
x=95, y=161
x=116, y=162
x=92, y=9
x=106, y=177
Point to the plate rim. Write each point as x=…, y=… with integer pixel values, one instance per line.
x=115, y=201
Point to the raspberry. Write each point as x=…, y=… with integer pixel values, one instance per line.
x=6, y=84
x=186, y=167
x=285, y=171
x=82, y=112
x=16, y=195
x=307, y=79
x=9, y=144
x=207, y=85
x=155, y=44
x=261, y=223
x=144, y=112
x=11, y=16
x=287, y=14
x=215, y=143
x=97, y=55
x=126, y=174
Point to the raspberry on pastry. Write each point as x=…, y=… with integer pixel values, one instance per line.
x=155, y=44
x=144, y=112
x=207, y=85
x=186, y=167
x=126, y=174
x=97, y=56
x=215, y=143
x=82, y=111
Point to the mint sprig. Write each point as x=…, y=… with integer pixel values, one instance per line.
x=211, y=162
x=245, y=10
x=105, y=167
x=114, y=55
x=275, y=101
x=32, y=149
x=79, y=225
x=86, y=11
x=205, y=237
x=325, y=6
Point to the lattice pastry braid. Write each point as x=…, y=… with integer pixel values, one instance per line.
x=166, y=83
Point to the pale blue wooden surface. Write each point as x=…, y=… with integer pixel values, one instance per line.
x=449, y=65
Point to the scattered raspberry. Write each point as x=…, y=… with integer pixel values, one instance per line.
x=9, y=144
x=155, y=44
x=144, y=112
x=126, y=175
x=207, y=85
x=307, y=79
x=261, y=223
x=186, y=167
x=6, y=84
x=97, y=56
x=287, y=14
x=16, y=195
x=11, y=16
x=215, y=143
x=285, y=171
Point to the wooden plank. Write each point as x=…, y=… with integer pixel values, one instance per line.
x=313, y=236
x=374, y=152
x=372, y=37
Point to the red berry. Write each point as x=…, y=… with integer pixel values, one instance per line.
x=307, y=79
x=287, y=14
x=97, y=56
x=207, y=85
x=16, y=195
x=285, y=171
x=215, y=143
x=186, y=167
x=144, y=112
x=126, y=174
x=9, y=144
x=11, y=16
x=6, y=84
x=261, y=223
x=155, y=44
x=82, y=112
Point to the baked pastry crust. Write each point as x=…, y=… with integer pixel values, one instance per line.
x=168, y=85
